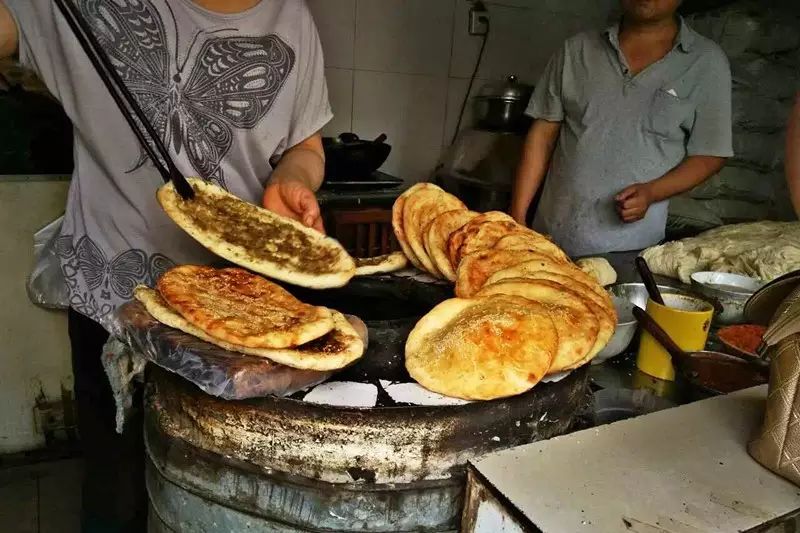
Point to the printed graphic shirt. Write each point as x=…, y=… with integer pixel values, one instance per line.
x=227, y=93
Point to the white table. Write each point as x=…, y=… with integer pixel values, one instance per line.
x=683, y=470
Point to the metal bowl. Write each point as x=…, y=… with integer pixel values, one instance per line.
x=731, y=291
x=623, y=334
x=625, y=296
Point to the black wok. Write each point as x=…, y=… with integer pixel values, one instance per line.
x=349, y=158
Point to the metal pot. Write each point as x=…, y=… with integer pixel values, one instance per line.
x=500, y=106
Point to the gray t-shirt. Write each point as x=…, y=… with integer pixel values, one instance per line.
x=619, y=129
x=228, y=94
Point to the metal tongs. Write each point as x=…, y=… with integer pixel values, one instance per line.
x=142, y=128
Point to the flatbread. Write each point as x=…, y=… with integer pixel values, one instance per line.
x=524, y=269
x=398, y=225
x=332, y=351
x=242, y=308
x=437, y=234
x=476, y=268
x=480, y=237
x=562, y=278
x=457, y=238
x=530, y=240
x=419, y=210
x=483, y=348
x=257, y=239
x=577, y=326
x=381, y=264
x=606, y=322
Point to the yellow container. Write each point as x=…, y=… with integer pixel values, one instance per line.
x=686, y=319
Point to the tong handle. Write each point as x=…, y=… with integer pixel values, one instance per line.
x=143, y=130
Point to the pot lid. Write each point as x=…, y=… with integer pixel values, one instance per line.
x=509, y=89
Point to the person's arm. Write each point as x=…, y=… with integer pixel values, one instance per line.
x=9, y=41
x=793, y=155
x=539, y=145
x=634, y=201
x=299, y=173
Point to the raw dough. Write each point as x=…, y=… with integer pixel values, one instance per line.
x=764, y=250
x=599, y=269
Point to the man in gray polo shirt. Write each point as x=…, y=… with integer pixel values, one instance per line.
x=626, y=118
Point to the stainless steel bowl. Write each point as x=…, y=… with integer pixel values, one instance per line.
x=731, y=291
x=625, y=296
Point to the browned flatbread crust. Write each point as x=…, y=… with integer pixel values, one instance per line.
x=606, y=320
x=242, y=308
x=457, y=237
x=476, y=268
x=419, y=210
x=437, y=234
x=398, y=223
x=257, y=239
x=482, y=349
x=332, y=351
x=480, y=237
x=577, y=325
x=551, y=270
x=530, y=240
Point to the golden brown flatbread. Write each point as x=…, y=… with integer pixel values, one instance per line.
x=257, y=239
x=530, y=240
x=419, y=210
x=584, y=290
x=398, y=223
x=334, y=350
x=577, y=325
x=536, y=267
x=457, y=237
x=480, y=237
x=242, y=308
x=382, y=264
x=476, y=268
x=606, y=319
x=439, y=231
x=483, y=348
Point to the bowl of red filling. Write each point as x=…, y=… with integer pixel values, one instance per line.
x=743, y=339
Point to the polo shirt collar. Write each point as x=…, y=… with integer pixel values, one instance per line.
x=685, y=38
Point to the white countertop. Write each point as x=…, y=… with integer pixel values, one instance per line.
x=683, y=470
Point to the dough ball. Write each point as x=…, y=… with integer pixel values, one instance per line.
x=598, y=268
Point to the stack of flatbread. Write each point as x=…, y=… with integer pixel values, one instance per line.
x=242, y=312
x=257, y=239
x=523, y=308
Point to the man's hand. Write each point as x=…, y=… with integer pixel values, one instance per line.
x=295, y=200
x=634, y=201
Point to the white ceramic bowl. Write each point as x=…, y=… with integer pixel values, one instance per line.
x=731, y=291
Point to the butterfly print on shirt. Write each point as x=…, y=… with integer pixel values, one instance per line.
x=232, y=82
x=103, y=280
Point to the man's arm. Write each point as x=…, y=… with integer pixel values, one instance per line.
x=634, y=201
x=9, y=41
x=793, y=155
x=297, y=176
x=537, y=152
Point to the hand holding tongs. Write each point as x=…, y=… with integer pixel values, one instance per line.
x=124, y=99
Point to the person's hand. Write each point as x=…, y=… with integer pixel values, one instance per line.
x=295, y=200
x=633, y=202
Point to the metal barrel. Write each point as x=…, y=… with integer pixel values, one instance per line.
x=277, y=464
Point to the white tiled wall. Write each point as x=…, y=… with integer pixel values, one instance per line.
x=401, y=67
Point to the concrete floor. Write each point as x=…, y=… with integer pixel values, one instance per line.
x=41, y=498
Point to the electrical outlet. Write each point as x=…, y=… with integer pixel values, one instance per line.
x=478, y=19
